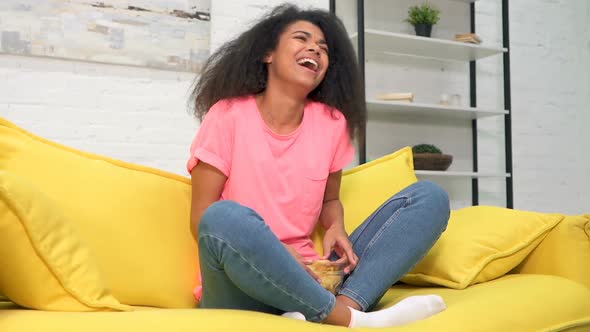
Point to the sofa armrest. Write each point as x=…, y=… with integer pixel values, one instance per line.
x=565, y=252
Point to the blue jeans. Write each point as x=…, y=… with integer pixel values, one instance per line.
x=245, y=266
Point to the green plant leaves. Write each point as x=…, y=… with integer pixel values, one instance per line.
x=425, y=148
x=423, y=14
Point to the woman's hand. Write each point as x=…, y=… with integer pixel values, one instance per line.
x=337, y=240
x=302, y=261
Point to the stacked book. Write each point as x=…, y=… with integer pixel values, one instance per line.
x=397, y=96
x=468, y=38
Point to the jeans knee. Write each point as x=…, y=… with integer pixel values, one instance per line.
x=221, y=216
x=437, y=199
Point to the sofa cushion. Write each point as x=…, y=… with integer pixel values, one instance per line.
x=516, y=302
x=481, y=243
x=511, y=303
x=562, y=250
x=133, y=219
x=44, y=263
x=364, y=188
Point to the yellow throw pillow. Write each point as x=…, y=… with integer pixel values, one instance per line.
x=364, y=188
x=44, y=264
x=481, y=243
x=135, y=220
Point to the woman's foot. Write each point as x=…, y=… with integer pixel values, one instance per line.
x=294, y=315
x=406, y=311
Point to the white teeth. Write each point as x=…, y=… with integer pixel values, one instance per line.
x=304, y=61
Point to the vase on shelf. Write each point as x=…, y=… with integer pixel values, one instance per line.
x=432, y=161
x=423, y=30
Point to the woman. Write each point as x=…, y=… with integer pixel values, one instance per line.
x=279, y=106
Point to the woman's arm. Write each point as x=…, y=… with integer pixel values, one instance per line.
x=207, y=186
x=332, y=218
x=332, y=212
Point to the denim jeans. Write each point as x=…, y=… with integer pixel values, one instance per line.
x=245, y=266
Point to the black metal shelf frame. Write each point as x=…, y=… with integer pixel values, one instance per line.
x=472, y=96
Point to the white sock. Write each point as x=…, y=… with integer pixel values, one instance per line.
x=294, y=315
x=408, y=310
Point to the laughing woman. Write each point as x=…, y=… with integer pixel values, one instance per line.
x=279, y=106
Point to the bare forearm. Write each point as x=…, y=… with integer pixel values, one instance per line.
x=332, y=214
x=197, y=212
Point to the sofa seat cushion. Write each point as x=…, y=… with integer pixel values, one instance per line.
x=510, y=303
x=514, y=302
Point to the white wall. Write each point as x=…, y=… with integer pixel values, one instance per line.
x=140, y=115
x=133, y=114
x=229, y=18
x=551, y=102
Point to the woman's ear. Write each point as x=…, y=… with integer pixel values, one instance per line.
x=267, y=59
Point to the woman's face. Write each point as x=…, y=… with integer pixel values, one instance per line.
x=300, y=58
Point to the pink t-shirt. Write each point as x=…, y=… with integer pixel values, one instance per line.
x=282, y=177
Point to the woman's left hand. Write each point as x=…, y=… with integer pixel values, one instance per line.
x=337, y=240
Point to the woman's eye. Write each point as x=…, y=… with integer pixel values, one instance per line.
x=301, y=38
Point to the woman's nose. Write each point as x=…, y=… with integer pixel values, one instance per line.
x=313, y=47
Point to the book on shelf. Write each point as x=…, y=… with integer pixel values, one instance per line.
x=468, y=38
x=397, y=96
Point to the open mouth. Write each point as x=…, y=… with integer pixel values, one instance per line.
x=308, y=63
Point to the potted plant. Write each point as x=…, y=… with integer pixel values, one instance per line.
x=429, y=157
x=423, y=17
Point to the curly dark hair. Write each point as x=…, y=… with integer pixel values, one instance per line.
x=237, y=69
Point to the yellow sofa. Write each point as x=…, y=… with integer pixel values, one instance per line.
x=88, y=243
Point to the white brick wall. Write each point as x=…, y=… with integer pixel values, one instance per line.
x=229, y=18
x=140, y=115
x=551, y=98
x=133, y=114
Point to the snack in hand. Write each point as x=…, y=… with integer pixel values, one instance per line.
x=331, y=274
